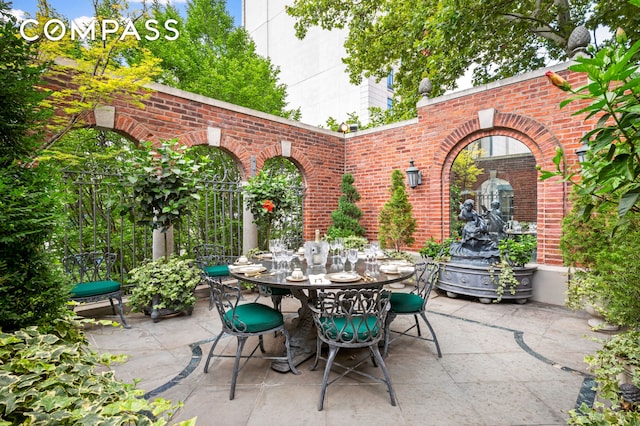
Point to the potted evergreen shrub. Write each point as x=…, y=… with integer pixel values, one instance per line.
x=165, y=182
x=345, y=220
x=396, y=221
x=164, y=286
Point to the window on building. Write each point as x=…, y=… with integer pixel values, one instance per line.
x=389, y=103
x=390, y=81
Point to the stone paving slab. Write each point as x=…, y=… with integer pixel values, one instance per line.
x=502, y=364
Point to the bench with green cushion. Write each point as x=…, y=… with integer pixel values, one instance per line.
x=91, y=271
x=94, y=288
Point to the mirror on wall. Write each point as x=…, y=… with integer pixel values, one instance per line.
x=496, y=169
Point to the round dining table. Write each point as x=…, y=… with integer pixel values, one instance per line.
x=331, y=277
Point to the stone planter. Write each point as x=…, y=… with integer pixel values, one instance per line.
x=475, y=280
x=158, y=314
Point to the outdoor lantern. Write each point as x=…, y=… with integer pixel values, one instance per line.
x=343, y=127
x=582, y=153
x=414, y=175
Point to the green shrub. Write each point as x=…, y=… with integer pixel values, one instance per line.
x=48, y=379
x=173, y=279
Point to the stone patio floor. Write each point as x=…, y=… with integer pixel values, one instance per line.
x=502, y=364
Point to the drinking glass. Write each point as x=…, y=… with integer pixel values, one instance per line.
x=343, y=257
x=375, y=247
x=369, y=254
x=273, y=244
x=289, y=255
x=352, y=256
x=279, y=257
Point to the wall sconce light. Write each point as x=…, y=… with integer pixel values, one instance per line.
x=343, y=127
x=353, y=127
x=582, y=153
x=414, y=175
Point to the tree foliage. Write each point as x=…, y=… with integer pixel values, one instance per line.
x=213, y=58
x=610, y=173
x=346, y=218
x=441, y=39
x=32, y=290
x=96, y=67
x=396, y=220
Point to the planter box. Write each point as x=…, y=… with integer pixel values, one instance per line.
x=474, y=280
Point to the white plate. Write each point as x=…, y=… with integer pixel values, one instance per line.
x=290, y=278
x=250, y=269
x=390, y=272
x=343, y=277
x=264, y=256
x=247, y=263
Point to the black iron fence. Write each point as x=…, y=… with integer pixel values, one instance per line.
x=99, y=217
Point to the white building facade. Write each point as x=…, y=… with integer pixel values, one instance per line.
x=312, y=68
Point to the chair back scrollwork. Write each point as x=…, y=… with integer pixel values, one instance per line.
x=351, y=317
x=89, y=266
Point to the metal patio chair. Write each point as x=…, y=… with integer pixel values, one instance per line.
x=244, y=320
x=351, y=319
x=91, y=273
x=414, y=303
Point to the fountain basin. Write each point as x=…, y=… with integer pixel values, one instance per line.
x=478, y=281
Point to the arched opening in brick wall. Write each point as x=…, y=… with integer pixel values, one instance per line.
x=540, y=142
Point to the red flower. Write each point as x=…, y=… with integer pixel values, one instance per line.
x=558, y=81
x=268, y=205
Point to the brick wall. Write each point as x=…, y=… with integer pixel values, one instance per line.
x=525, y=108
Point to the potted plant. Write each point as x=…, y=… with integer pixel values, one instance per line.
x=165, y=182
x=164, y=286
x=515, y=253
x=269, y=198
x=396, y=221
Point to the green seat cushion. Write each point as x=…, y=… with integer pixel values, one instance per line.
x=406, y=302
x=253, y=318
x=94, y=288
x=216, y=270
x=365, y=327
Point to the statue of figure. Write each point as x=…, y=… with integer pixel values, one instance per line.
x=476, y=226
x=476, y=245
x=497, y=224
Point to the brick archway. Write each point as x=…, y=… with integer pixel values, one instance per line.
x=542, y=144
x=525, y=107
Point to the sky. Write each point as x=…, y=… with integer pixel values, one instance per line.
x=73, y=9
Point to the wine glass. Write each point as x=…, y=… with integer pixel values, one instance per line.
x=342, y=252
x=375, y=247
x=273, y=244
x=289, y=254
x=352, y=256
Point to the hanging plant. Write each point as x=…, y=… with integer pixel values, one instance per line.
x=269, y=198
x=165, y=182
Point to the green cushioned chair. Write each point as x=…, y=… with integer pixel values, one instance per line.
x=351, y=319
x=415, y=304
x=211, y=261
x=91, y=271
x=276, y=294
x=244, y=320
x=216, y=270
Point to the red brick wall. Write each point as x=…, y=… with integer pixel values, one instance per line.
x=525, y=109
x=520, y=171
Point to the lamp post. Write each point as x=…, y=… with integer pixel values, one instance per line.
x=414, y=175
